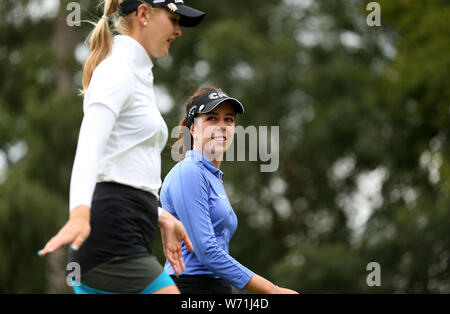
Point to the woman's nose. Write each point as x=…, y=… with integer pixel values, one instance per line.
x=178, y=32
x=222, y=126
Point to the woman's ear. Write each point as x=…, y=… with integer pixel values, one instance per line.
x=143, y=14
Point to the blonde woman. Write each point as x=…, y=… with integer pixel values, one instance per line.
x=116, y=174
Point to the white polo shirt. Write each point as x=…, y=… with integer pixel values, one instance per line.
x=123, y=133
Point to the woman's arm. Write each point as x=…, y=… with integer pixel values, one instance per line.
x=261, y=285
x=189, y=197
x=95, y=130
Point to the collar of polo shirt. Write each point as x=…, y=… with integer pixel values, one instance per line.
x=140, y=62
x=196, y=155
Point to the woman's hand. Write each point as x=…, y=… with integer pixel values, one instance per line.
x=172, y=233
x=260, y=285
x=74, y=232
x=279, y=290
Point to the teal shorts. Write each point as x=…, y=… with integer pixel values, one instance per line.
x=162, y=281
x=143, y=275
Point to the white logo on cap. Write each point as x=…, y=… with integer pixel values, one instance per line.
x=219, y=94
x=191, y=111
x=172, y=7
x=201, y=108
x=179, y=1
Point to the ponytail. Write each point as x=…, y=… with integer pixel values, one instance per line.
x=100, y=40
x=185, y=135
x=184, y=138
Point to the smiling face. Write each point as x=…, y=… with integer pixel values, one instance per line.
x=213, y=132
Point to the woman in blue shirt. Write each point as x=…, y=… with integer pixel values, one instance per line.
x=193, y=192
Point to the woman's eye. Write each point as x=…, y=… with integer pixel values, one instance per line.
x=211, y=118
x=231, y=120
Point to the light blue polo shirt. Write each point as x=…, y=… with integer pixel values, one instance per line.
x=193, y=192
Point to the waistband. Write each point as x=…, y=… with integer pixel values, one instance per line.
x=112, y=190
x=200, y=279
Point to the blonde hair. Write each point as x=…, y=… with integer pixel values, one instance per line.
x=100, y=39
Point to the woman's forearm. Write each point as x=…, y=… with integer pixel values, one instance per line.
x=81, y=212
x=258, y=284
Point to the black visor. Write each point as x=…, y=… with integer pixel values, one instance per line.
x=189, y=17
x=208, y=102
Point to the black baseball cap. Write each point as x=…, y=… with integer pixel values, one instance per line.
x=190, y=17
x=208, y=102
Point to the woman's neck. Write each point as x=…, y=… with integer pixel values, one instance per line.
x=216, y=163
x=212, y=158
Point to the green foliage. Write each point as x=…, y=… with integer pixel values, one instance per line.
x=29, y=215
x=350, y=101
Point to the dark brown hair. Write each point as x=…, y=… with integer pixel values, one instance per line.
x=185, y=134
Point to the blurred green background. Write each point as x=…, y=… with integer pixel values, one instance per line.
x=364, y=173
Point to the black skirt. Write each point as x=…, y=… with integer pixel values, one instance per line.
x=123, y=224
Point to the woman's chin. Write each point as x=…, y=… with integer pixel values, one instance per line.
x=215, y=152
x=161, y=54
